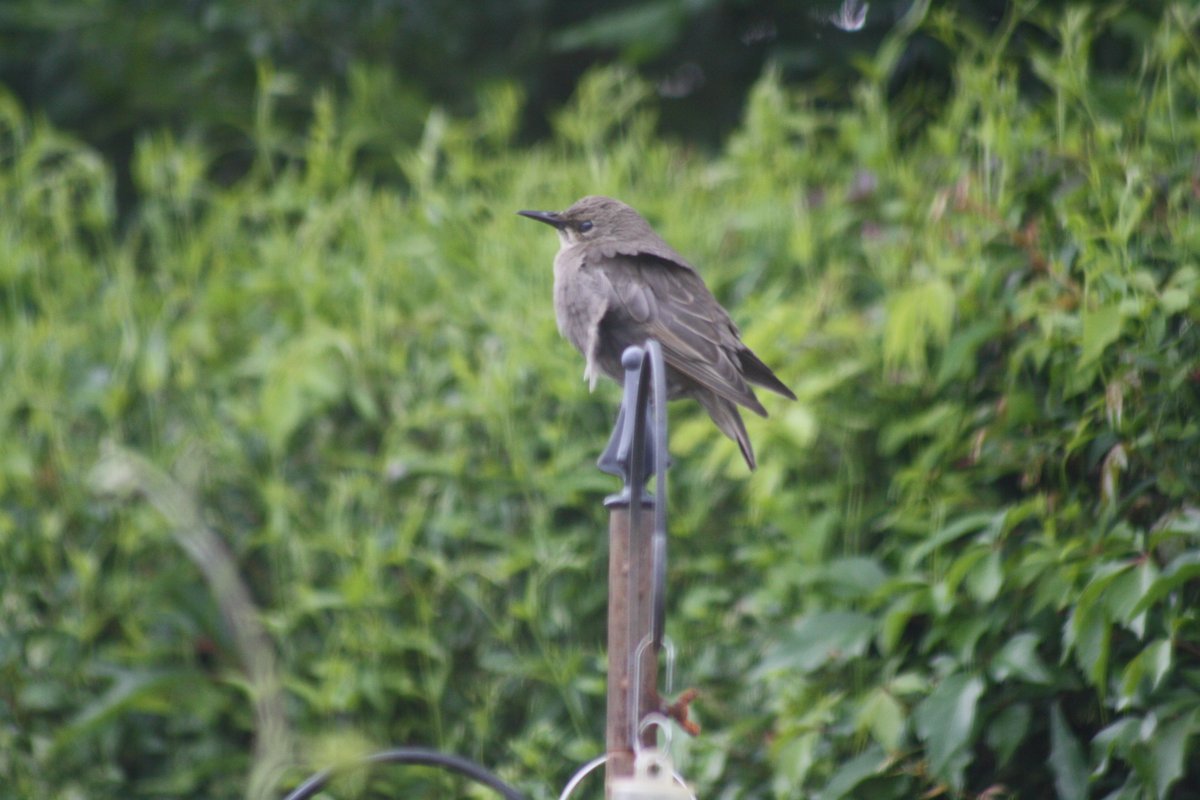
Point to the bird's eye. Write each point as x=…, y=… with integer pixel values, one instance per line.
x=585, y=226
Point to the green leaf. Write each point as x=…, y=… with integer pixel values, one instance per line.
x=958, y=359
x=1124, y=596
x=641, y=30
x=793, y=759
x=131, y=691
x=1167, y=750
x=1088, y=635
x=986, y=578
x=917, y=317
x=897, y=616
x=883, y=716
x=1018, y=658
x=1158, y=661
x=853, y=772
x=1103, y=577
x=954, y=530
x=1101, y=328
x=1180, y=289
x=855, y=576
x=1007, y=731
x=1118, y=738
x=819, y=639
x=1066, y=759
x=929, y=422
x=963, y=565
x=1174, y=300
x=1153, y=663
x=306, y=376
x=945, y=721
x=908, y=683
x=1181, y=570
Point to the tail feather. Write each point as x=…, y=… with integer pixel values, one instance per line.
x=755, y=371
x=725, y=414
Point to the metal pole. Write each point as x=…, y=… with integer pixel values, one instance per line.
x=636, y=449
x=629, y=622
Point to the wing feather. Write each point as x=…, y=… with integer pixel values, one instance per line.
x=659, y=299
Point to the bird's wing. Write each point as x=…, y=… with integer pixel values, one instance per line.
x=668, y=302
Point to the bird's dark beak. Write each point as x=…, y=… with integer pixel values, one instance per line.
x=548, y=217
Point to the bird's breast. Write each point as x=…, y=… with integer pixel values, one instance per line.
x=580, y=296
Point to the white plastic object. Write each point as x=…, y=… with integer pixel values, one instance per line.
x=653, y=778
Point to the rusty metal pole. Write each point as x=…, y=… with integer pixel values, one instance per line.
x=637, y=449
x=629, y=623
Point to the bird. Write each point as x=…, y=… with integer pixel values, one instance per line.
x=617, y=283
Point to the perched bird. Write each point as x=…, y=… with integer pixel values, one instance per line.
x=617, y=283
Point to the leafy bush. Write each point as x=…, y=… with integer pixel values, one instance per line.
x=967, y=564
x=108, y=70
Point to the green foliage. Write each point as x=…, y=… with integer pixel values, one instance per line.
x=108, y=70
x=967, y=564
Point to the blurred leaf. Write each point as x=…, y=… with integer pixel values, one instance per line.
x=1182, y=570
x=1066, y=759
x=898, y=615
x=855, y=576
x=853, y=772
x=795, y=758
x=1151, y=665
x=1008, y=730
x=951, y=532
x=987, y=578
x=945, y=721
x=1088, y=634
x=1118, y=738
x=308, y=375
x=958, y=359
x=1168, y=750
x=884, y=717
x=1019, y=658
x=1126, y=594
x=819, y=639
x=641, y=31
x=917, y=317
x=130, y=692
x=1101, y=328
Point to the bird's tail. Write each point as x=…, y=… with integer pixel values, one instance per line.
x=725, y=414
x=755, y=371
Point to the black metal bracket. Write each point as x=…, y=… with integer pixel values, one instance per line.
x=637, y=449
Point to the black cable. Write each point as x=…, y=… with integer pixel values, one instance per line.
x=421, y=756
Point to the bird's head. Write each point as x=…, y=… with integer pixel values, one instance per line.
x=595, y=219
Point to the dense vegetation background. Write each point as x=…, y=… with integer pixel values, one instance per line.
x=295, y=466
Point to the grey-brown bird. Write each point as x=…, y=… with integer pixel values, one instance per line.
x=617, y=283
